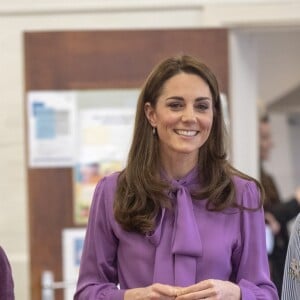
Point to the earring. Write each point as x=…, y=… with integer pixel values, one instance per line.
x=154, y=131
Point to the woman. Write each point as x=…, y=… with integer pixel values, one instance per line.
x=291, y=278
x=278, y=213
x=6, y=279
x=178, y=222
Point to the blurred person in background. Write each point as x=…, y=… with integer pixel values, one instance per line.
x=6, y=280
x=277, y=212
x=291, y=278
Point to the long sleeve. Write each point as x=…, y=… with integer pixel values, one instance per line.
x=113, y=256
x=291, y=279
x=252, y=268
x=6, y=280
x=285, y=211
x=98, y=276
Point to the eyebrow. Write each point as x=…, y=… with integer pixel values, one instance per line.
x=182, y=98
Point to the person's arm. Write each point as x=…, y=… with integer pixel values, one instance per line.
x=250, y=258
x=291, y=278
x=6, y=280
x=98, y=277
x=285, y=211
x=288, y=210
x=250, y=278
x=272, y=222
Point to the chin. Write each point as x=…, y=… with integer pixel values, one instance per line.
x=187, y=151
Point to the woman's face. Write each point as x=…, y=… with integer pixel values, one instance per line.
x=183, y=115
x=265, y=140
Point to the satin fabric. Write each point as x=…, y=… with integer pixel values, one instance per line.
x=179, y=268
x=189, y=244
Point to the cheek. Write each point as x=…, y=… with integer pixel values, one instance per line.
x=207, y=124
x=167, y=120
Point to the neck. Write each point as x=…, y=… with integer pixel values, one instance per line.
x=177, y=167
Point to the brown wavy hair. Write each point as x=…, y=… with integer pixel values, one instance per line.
x=141, y=194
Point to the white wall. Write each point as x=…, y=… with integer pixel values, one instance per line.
x=264, y=66
x=279, y=73
x=277, y=58
x=17, y=16
x=243, y=74
x=281, y=160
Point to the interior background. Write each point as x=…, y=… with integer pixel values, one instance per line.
x=264, y=49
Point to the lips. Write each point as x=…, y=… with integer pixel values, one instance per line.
x=186, y=132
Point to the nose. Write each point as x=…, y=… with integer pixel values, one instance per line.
x=188, y=115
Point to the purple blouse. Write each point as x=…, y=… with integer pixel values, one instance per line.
x=189, y=244
x=6, y=280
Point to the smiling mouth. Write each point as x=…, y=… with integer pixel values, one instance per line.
x=186, y=132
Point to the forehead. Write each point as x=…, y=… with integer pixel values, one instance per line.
x=186, y=82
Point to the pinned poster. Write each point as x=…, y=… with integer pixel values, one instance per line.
x=51, y=128
x=105, y=136
x=72, y=244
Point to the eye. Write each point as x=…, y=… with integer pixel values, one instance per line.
x=202, y=106
x=175, y=105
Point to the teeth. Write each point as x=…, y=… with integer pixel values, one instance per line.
x=187, y=132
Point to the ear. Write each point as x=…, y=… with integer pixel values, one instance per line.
x=150, y=114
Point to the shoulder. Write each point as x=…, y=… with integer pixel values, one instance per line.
x=108, y=182
x=296, y=229
x=105, y=189
x=247, y=192
x=241, y=184
x=4, y=263
x=290, y=287
x=297, y=221
x=3, y=257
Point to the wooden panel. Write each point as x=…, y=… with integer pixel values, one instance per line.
x=50, y=208
x=104, y=59
x=93, y=60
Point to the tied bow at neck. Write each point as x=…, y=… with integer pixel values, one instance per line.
x=178, y=245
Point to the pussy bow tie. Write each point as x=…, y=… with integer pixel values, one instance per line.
x=178, y=245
